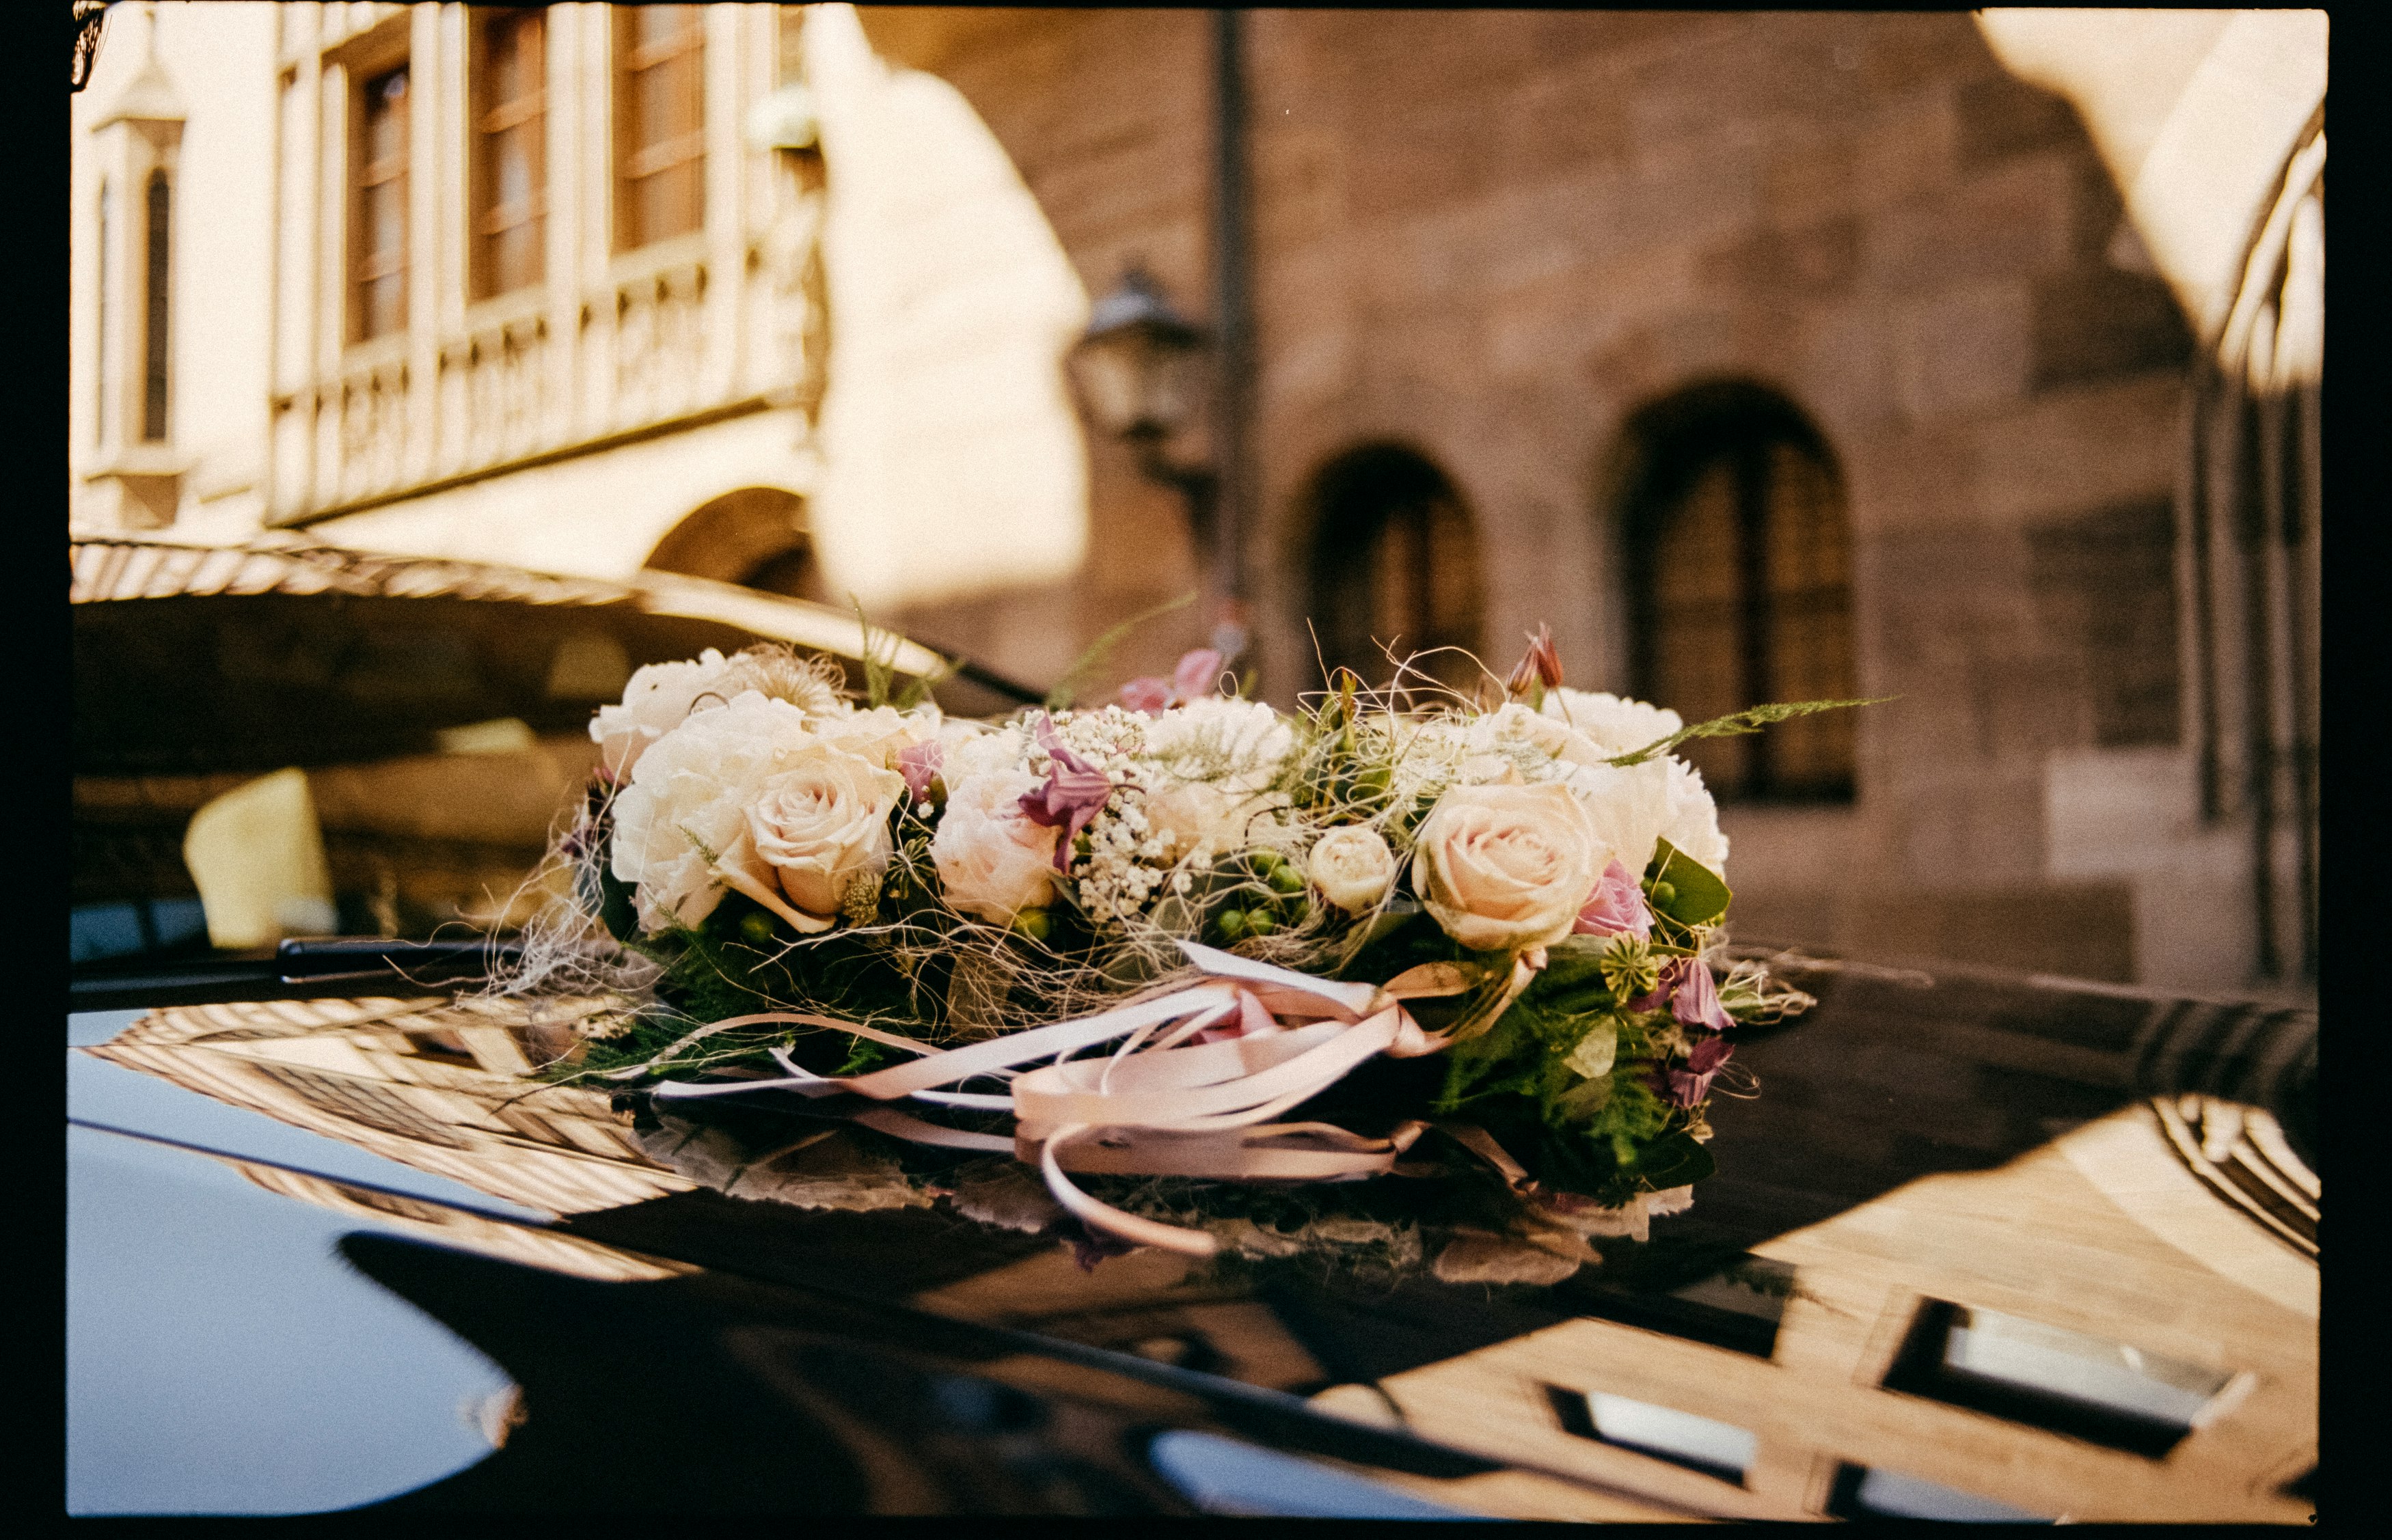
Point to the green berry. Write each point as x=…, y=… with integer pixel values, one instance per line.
x=1231, y=925
x=1266, y=862
x=1259, y=922
x=1033, y=924
x=1664, y=894
x=757, y=928
x=1286, y=879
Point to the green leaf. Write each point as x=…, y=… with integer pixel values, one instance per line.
x=1738, y=723
x=1694, y=894
x=615, y=909
x=1597, y=1052
x=1676, y=1161
x=876, y=673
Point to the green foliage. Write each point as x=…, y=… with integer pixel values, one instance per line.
x=1683, y=888
x=879, y=657
x=1738, y=723
x=1068, y=686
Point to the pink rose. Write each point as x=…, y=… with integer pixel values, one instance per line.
x=1617, y=908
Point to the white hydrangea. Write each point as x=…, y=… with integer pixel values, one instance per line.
x=1613, y=724
x=688, y=800
x=1693, y=817
x=1239, y=745
x=968, y=750
x=1635, y=808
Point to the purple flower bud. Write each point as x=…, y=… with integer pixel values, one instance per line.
x=1617, y=907
x=919, y=763
x=1542, y=664
x=1199, y=675
x=1696, y=1001
x=1148, y=693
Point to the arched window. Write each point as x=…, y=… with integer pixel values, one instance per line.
x=1395, y=563
x=1739, y=583
x=755, y=537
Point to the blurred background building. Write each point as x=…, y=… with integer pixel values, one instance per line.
x=1968, y=359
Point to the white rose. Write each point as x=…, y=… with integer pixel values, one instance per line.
x=1353, y=868
x=993, y=861
x=657, y=700
x=1191, y=814
x=879, y=733
x=823, y=821
x=686, y=807
x=1614, y=725
x=1507, y=867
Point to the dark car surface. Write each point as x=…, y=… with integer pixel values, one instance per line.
x=1982, y=1248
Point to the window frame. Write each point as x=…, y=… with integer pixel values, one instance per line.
x=364, y=75
x=484, y=126
x=687, y=49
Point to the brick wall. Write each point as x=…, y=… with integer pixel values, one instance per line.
x=1492, y=235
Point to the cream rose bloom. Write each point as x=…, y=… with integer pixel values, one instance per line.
x=824, y=821
x=1507, y=867
x=657, y=700
x=686, y=807
x=1353, y=868
x=993, y=861
x=1191, y=815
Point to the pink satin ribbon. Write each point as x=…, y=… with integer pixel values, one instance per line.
x=1175, y=1098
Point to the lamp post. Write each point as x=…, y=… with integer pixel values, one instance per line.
x=1140, y=370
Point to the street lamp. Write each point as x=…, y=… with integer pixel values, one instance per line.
x=1139, y=367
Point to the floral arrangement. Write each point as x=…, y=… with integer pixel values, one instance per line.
x=1478, y=940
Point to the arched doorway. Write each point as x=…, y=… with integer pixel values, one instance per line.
x=1394, y=563
x=1738, y=565
x=755, y=537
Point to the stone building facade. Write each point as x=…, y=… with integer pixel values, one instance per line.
x=1543, y=302
x=1500, y=243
